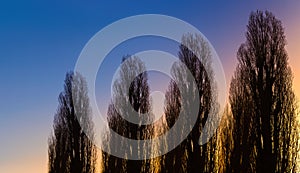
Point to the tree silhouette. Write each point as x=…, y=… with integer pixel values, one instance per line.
x=175, y=160
x=70, y=148
x=133, y=93
x=189, y=156
x=225, y=144
x=262, y=101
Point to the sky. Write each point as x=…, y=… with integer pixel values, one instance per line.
x=41, y=41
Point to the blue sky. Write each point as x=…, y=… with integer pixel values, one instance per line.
x=41, y=41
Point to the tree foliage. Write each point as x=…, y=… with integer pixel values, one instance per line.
x=262, y=101
x=189, y=156
x=71, y=150
x=133, y=93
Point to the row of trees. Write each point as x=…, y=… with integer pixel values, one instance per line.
x=259, y=130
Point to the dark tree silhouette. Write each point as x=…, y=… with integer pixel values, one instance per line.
x=175, y=160
x=225, y=137
x=189, y=156
x=136, y=94
x=70, y=149
x=265, y=137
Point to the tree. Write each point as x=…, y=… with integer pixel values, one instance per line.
x=175, y=160
x=130, y=89
x=262, y=101
x=189, y=156
x=225, y=137
x=71, y=148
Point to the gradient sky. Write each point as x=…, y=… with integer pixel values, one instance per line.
x=40, y=42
